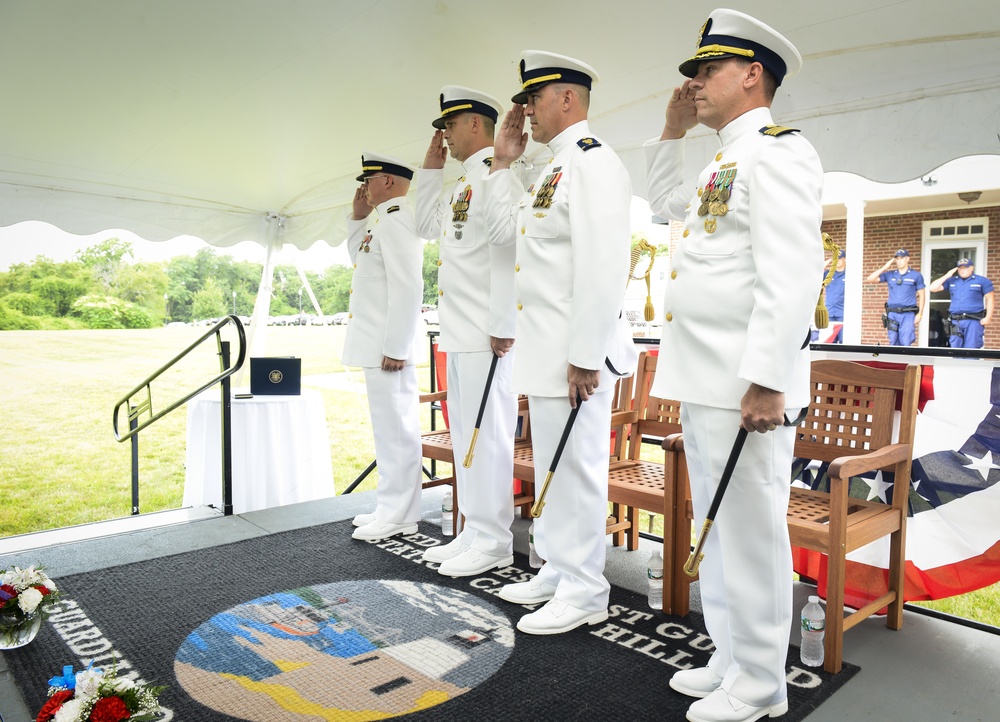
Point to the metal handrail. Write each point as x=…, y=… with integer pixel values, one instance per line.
x=147, y=405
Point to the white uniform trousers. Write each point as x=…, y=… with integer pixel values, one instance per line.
x=394, y=405
x=485, y=491
x=570, y=533
x=746, y=575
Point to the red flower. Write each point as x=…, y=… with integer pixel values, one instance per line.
x=110, y=709
x=53, y=704
x=43, y=589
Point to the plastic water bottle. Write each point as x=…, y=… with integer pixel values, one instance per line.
x=534, y=560
x=813, y=629
x=654, y=576
x=447, y=518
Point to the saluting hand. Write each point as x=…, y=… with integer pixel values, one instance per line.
x=359, y=207
x=437, y=153
x=511, y=139
x=682, y=115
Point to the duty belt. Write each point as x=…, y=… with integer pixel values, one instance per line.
x=978, y=316
x=902, y=309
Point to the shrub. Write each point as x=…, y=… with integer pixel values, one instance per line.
x=110, y=312
x=27, y=303
x=13, y=320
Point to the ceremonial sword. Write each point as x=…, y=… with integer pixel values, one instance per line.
x=536, y=509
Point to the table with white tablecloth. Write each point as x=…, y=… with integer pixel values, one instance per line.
x=281, y=451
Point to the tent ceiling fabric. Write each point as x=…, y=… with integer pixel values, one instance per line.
x=209, y=118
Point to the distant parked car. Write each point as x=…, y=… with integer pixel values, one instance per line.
x=339, y=319
x=318, y=320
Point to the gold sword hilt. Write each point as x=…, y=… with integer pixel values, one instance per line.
x=472, y=447
x=694, y=561
x=536, y=508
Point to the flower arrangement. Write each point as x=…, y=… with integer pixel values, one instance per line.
x=91, y=695
x=25, y=596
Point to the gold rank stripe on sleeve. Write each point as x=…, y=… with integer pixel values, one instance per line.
x=392, y=209
x=776, y=130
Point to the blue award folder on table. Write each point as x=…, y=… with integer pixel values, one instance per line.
x=276, y=375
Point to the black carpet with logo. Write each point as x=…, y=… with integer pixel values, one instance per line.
x=312, y=625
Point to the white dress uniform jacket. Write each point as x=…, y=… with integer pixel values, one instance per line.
x=738, y=301
x=572, y=263
x=387, y=286
x=475, y=277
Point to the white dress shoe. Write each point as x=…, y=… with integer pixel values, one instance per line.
x=444, y=552
x=383, y=530
x=719, y=706
x=530, y=592
x=699, y=682
x=362, y=519
x=557, y=617
x=473, y=561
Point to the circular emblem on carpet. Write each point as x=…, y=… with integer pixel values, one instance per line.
x=355, y=650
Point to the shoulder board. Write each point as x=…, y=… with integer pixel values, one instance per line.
x=392, y=209
x=488, y=161
x=588, y=143
x=776, y=130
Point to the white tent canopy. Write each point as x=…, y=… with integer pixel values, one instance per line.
x=245, y=120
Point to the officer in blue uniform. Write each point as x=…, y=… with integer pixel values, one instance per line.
x=834, y=296
x=906, y=298
x=971, y=304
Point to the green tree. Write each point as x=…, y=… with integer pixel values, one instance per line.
x=13, y=320
x=209, y=302
x=333, y=289
x=430, y=271
x=59, y=292
x=105, y=260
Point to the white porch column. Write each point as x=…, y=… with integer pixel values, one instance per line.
x=853, y=277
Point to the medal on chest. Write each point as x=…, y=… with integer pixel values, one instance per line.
x=716, y=194
x=364, y=243
x=543, y=198
x=460, y=206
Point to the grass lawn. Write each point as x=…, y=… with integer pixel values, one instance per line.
x=60, y=464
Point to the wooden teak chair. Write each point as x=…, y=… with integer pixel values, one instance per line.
x=850, y=426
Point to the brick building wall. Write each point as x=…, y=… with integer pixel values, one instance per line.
x=884, y=234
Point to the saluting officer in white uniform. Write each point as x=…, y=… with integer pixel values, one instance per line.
x=386, y=291
x=733, y=346
x=476, y=310
x=572, y=235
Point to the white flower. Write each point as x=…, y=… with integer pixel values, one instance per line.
x=121, y=684
x=70, y=710
x=29, y=599
x=88, y=681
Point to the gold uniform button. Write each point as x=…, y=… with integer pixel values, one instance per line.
x=519, y=307
x=669, y=317
x=699, y=193
x=351, y=291
x=355, y=265
x=687, y=232
x=673, y=275
x=517, y=268
x=522, y=230
x=718, y=156
x=441, y=292
x=350, y=315
x=440, y=262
